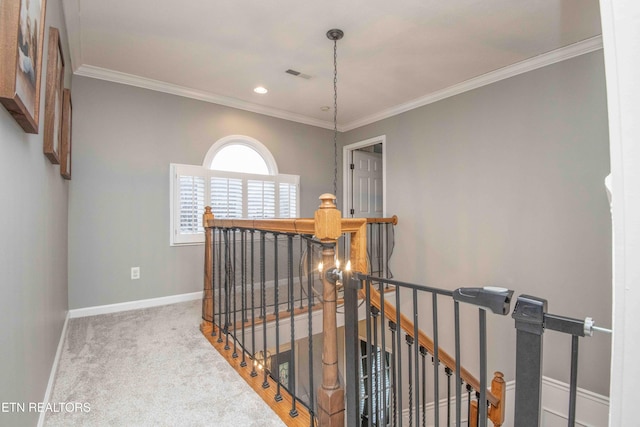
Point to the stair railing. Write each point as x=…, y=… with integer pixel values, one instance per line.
x=241, y=262
x=396, y=393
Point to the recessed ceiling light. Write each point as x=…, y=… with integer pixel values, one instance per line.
x=261, y=90
x=325, y=108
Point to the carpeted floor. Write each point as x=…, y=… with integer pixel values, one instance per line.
x=149, y=367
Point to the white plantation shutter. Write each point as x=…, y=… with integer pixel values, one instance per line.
x=288, y=195
x=230, y=195
x=191, y=203
x=189, y=196
x=226, y=197
x=261, y=199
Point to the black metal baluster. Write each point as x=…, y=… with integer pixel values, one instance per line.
x=292, y=354
x=482, y=403
x=449, y=373
x=300, y=272
x=253, y=313
x=276, y=285
x=383, y=358
x=213, y=281
x=468, y=387
x=265, y=382
x=392, y=369
x=409, y=340
x=289, y=290
x=387, y=256
x=370, y=248
x=436, y=357
x=368, y=357
x=423, y=355
x=233, y=283
x=227, y=296
x=243, y=279
x=220, y=323
x=478, y=417
x=379, y=254
x=310, y=274
x=415, y=354
x=376, y=368
x=399, y=358
x=456, y=310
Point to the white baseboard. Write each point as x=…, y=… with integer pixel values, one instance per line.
x=54, y=369
x=442, y=408
x=133, y=305
x=592, y=409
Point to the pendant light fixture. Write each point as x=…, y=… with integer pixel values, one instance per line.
x=335, y=35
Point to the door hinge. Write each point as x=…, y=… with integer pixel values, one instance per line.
x=352, y=166
x=353, y=211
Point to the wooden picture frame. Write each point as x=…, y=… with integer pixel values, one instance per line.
x=21, y=44
x=65, y=147
x=53, y=98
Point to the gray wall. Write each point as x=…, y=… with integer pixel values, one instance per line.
x=124, y=140
x=33, y=255
x=503, y=186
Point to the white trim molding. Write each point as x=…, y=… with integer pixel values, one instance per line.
x=247, y=141
x=592, y=409
x=543, y=60
x=133, y=305
x=539, y=61
x=54, y=370
x=160, y=86
x=346, y=161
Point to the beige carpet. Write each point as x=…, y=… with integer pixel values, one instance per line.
x=150, y=367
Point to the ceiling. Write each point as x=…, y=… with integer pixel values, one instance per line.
x=395, y=55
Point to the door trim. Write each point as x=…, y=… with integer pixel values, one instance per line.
x=346, y=175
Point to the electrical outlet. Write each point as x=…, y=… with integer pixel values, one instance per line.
x=135, y=273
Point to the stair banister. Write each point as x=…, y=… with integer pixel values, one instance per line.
x=330, y=398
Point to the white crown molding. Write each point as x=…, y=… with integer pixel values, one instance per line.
x=549, y=58
x=160, y=86
x=72, y=9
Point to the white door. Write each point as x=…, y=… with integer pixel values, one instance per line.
x=366, y=184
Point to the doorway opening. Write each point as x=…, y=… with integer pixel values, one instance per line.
x=364, y=182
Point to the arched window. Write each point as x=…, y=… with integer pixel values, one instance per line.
x=239, y=153
x=239, y=179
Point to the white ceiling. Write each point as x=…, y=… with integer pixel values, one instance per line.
x=394, y=55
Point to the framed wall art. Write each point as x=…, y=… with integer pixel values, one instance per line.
x=21, y=43
x=65, y=145
x=53, y=98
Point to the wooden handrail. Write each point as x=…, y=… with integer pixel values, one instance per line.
x=426, y=342
x=392, y=220
x=293, y=225
x=277, y=225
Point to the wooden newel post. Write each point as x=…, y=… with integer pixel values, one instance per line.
x=207, y=295
x=499, y=389
x=330, y=394
x=495, y=413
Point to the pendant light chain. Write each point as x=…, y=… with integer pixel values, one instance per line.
x=335, y=35
x=335, y=117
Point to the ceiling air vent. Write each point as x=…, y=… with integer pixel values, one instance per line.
x=298, y=74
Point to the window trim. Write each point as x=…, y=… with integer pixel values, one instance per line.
x=178, y=239
x=247, y=141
